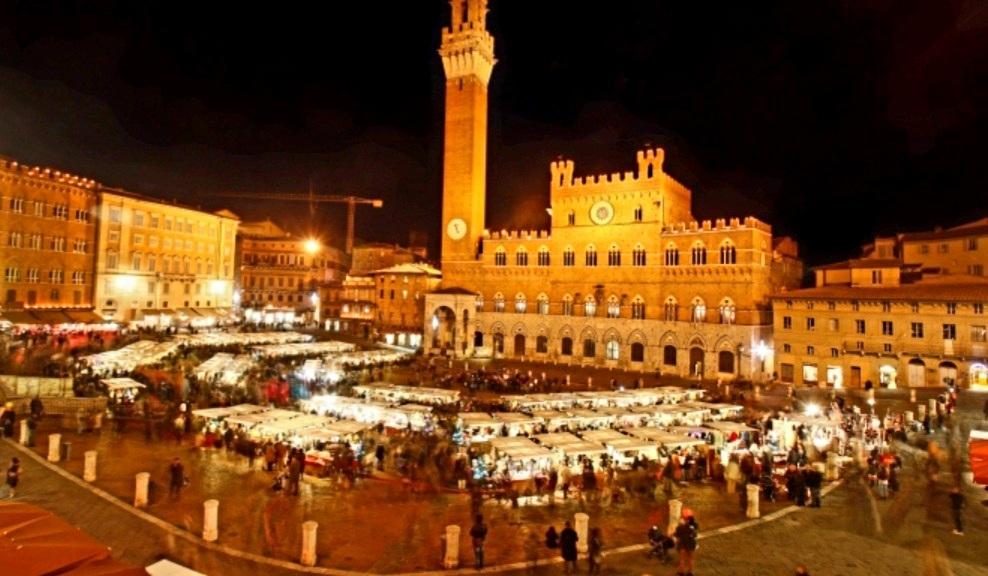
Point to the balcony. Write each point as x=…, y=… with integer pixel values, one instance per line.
x=946, y=349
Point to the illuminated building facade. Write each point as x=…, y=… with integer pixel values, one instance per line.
x=47, y=238
x=910, y=313
x=162, y=264
x=625, y=277
x=280, y=271
x=400, y=301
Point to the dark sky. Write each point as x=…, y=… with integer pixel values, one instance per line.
x=831, y=120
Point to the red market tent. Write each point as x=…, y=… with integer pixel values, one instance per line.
x=978, y=451
x=35, y=541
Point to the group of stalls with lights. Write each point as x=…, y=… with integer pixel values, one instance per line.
x=319, y=436
x=330, y=368
x=406, y=417
x=601, y=399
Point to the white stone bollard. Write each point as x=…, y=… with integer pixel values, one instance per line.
x=452, y=557
x=309, y=543
x=675, y=511
x=89, y=472
x=210, y=521
x=753, y=491
x=921, y=412
x=25, y=432
x=833, y=468
x=54, y=447
x=582, y=522
x=141, y=490
x=932, y=403
x=908, y=416
x=912, y=395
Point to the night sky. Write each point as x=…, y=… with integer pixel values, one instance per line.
x=830, y=120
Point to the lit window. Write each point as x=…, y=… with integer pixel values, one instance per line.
x=638, y=256
x=728, y=254
x=613, y=307
x=589, y=306
x=521, y=304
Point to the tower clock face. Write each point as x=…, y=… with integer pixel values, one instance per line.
x=602, y=212
x=456, y=229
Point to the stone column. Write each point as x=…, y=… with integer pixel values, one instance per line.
x=675, y=511
x=452, y=557
x=582, y=523
x=25, y=432
x=309, y=543
x=54, y=447
x=753, y=492
x=210, y=521
x=89, y=472
x=141, y=490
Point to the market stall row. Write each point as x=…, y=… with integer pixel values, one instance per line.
x=601, y=399
x=393, y=393
x=302, y=349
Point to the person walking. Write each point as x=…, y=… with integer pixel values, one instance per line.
x=478, y=533
x=686, y=539
x=595, y=550
x=567, y=547
x=956, y=509
x=13, y=476
x=176, y=473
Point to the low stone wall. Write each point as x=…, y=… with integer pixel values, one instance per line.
x=60, y=406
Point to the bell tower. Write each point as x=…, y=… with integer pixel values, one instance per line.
x=467, y=51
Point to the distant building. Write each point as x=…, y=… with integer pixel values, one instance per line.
x=357, y=306
x=160, y=263
x=47, y=239
x=400, y=301
x=281, y=275
x=377, y=255
x=625, y=276
x=884, y=321
x=959, y=250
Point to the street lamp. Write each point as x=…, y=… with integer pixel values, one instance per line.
x=311, y=245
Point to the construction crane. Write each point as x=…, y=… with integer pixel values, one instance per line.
x=313, y=199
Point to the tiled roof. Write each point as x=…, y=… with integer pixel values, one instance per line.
x=863, y=263
x=953, y=288
x=409, y=268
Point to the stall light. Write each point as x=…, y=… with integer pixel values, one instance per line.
x=812, y=410
x=761, y=350
x=311, y=245
x=125, y=283
x=217, y=287
x=435, y=322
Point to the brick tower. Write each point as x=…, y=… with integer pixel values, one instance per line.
x=467, y=51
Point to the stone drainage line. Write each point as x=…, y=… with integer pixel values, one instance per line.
x=285, y=564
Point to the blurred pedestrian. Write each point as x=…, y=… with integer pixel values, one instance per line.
x=176, y=473
x=686, y=534
x=567, y=546
x=13, y=476
x=595, y=551
x=478, y=533
x=956, y=509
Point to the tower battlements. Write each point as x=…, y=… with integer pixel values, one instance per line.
x=55, y=176
x=650, y=168
x=718, y=225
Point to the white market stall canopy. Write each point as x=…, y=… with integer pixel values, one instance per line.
x=554, y=439
x=227, y=368
x=304, y=349
x=140, y=353
x=241, y=338
x=598, y=399
x=727, y=428
x=289, y=426
x=387, y=392
x=121, y=384
x=169, y=568
x=221, y=412
x=602, y=436
x=717, y=411
x=252, y=420
x=358, y=357
x=669, y=440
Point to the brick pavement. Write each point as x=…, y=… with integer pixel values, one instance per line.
x=839, y=539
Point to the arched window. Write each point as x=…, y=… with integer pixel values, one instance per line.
x=590, y=256
x=638, y=308
x=669, y=355
x=728, y=253
x=478, y=304
x=566, y=346
x=613, y=307
x=671, y=309
x=571, y=218
x=614, y=255
x=521, y=256
x=499, y=302
x=699, y=310
x=637, y=352
x=612, y=349
x=567, y=305
x=569, y=256
x=589, y=306
x=639, y=214
x=672, y=255
x=698, y=255
x=638, y=255
x=589, y=347
x=725, y=362
x=520, y=303
x=727, y=311
x=543, y=255
x=543, y=304
x=500, y=256
x=541, y=345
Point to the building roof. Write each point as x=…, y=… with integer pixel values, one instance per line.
x=104, y=190
x=977, y=227
x=409, y=268
x=454, y=290
x=946, y=288
x=857, y=263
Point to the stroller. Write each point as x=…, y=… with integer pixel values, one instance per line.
x=661, y=544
